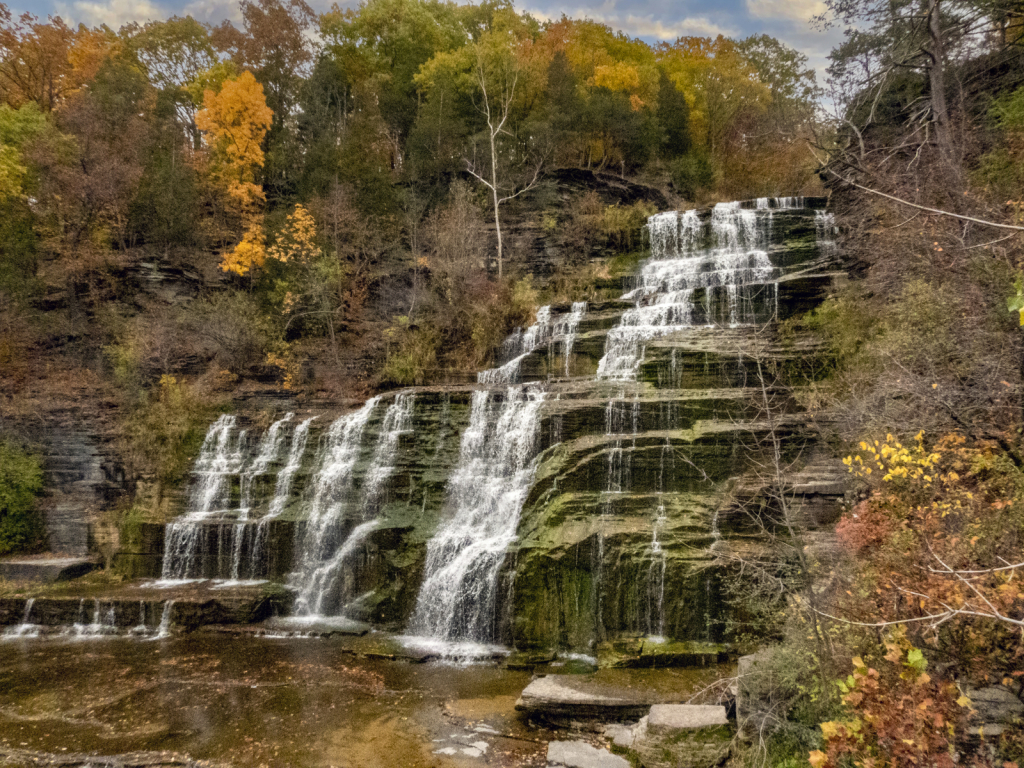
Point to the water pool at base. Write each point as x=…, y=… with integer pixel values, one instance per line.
x=246, y=701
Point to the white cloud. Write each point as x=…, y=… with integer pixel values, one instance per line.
x=113, y=13
x=647, y=26
x=797, y=10
x=213, y=11
x=639, y=26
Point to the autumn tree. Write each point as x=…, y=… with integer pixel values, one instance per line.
x=719, y=83
x=34, y=63
x=236, y=120
x=274, y=45
x=501, y=72
x=89, y=175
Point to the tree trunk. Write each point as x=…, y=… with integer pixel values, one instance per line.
x=937, y=86
x=494, y=192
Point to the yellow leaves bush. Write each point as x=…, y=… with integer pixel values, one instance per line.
x=297, y=241
x=894, y=460
x=249, y=254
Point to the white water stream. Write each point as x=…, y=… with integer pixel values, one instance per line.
x=486, y=491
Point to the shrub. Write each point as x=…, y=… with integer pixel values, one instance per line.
x=232, y=328
x=623, y=224
x=21, y=480
x=165, y=433
x=693, y=174
x=413, y=355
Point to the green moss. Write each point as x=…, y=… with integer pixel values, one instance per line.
x=626, y=263
x=21, y=481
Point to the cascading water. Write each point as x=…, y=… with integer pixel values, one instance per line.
x=458, y=598
x=735, y=263
x=569, y=329
x=332, y=483
x=282, y=492
x=547, y=330
x=706, y=270
x=223, y=457
x=270, y=448
x=323, y=582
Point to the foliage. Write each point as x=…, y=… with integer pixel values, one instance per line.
x=898, y=716
x=413, y=356
x=21, y=481
x=693, y=174
x=236, y=119
x=623, y=224
x=938, y=541
x=165, y=432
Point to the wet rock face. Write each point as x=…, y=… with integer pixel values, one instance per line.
x=637, y=480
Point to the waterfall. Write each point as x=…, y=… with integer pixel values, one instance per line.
x=568, y=330
x=324, y=556
x=26, y=628
x=270, y=447
x=664, y=291
x=282, y=492
x=656, y=579
x=283, y=487
x=223, y=457
x=825, y=231
x=546, y=330
x=486, y=492
x=164, y=629
x=331, y=488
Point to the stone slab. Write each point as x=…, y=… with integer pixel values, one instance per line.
x=563, y=697
x=46, y=570
x=621, y=735
x=579, y=754
x=995, y=704
x=325, y=626
x=667, y=719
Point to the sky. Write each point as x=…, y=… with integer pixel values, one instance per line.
x=650, y=20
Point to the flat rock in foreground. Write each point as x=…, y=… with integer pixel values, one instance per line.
x=560, y=697
x=666, y=719
x=579, y=754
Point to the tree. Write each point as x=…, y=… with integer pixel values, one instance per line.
x=275, y=46
x=236, y=120
x=21, y=480
x=34, y=64
x=888, y=42
x=17, y=128
x=673, y=118
x=175, y=53
x=789, y=80
x=720, y=85
x=502, y=72
x=384, y=43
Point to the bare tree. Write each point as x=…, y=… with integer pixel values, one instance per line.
x=497, y=83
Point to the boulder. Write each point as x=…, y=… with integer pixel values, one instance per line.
x=994, y=707
x=682, y=736
x=995, y=704
x=669, y=719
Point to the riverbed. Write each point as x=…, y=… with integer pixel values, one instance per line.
x=275, y=702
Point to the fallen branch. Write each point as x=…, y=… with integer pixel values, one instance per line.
x=924, y=207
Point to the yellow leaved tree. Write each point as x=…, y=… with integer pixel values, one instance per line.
x=235, y=119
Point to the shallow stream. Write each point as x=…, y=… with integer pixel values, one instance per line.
x=251, y=701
